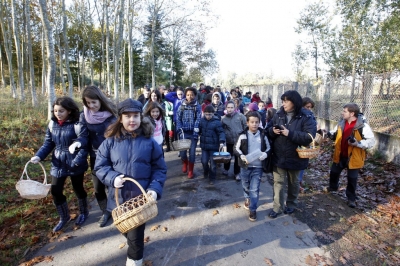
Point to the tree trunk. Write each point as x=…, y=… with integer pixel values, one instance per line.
x=353, y=82
x=44, y=66
x=153, y=74
x=118, y=39
x=66, y=51
x=107, y=52
x=30, y=54
x=130, y=46
x=61, y=65
x=18, y=52
x=3, y=81
x=51, y=69
x=83, y=68
x=123, y=70
x=7, y=48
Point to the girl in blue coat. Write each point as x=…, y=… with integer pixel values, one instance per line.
x=98, y=114
x=129, y=150
x=63, y=129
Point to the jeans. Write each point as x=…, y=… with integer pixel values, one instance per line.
x=57, y=187
x=301, y=176
x=211, y=170
x=99, y=188
x=251, y=179
x=352, y=175
x=192, y=150
x=281, y=177
x=236, y=168
x=135, y=239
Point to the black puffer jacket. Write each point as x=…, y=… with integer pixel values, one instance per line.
x=284, y=148
x=211, y=134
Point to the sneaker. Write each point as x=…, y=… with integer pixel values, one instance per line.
x=225, y=172
x=238, y=177
x=289, y=210
x=273, y=214
x=247, y=204
x=351, y=204
x=253, y=216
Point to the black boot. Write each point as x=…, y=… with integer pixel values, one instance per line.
x=84, y=211
x=106, y=214
x=63, y=211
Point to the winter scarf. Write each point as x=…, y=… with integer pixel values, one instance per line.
x=97, y=117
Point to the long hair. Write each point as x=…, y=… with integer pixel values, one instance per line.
x=150, y=106
x=115, y=130
x=93, y=92
x=295, y=98
x=158, y=94
x=68, y=104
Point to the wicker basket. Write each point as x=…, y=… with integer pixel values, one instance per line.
x=310, y=152
x=221, y=157
x=319, y=138
x=135, y=211
x=181, y=144
x=30, y=189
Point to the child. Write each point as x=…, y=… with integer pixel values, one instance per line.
x=250, y=140
x=129, y=150
x=217, y=104
x=188, y=121
x=233, y=124
x=60, y=134
x=98, y=113
x=263, y=114
x=212, y=138
x=156, y=114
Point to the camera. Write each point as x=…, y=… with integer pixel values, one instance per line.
x=351, y=139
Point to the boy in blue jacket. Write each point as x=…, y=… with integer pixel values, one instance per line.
x=212, y=138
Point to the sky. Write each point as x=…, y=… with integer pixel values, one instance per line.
x=255, y=35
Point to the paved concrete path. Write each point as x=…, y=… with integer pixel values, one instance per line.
x=195, y=234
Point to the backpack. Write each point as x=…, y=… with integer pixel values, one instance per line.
x=77, y=127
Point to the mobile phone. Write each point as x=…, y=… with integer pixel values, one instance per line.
x=277, y=127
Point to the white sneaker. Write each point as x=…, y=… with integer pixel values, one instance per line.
x=130, y=262
x=224, y=172
x=238, y=177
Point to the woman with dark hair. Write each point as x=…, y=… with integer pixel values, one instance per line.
x=289, y=128
x=155, y=96
x=60, y=134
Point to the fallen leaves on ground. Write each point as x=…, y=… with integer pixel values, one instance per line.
x=236, y=205
x=121, y=245
x=37, y=260
x=269, y=262
x=154, y=227
x=215, y=212
x=146, y=239
x=64, y=238
x=165, y=229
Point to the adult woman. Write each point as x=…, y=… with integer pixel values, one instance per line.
x=289, y=128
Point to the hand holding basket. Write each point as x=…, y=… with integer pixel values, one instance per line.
x=181, y=144
x=30, y=189
x=308, y=152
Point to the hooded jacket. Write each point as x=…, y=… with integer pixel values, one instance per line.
x=211, y=134
x=233, y=125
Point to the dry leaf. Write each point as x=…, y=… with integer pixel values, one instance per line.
x=342, y=260
x=121, y=245
x=310, y=261
x=346, y=255
x=332, y=214
x=269, y=262
x=146, y=239
x=66, y=237
x=314, y=214
x=147, y=263
x=48, y=258
x=73, y=216
x=165, y=229
x=321, y=210
x=299, y=234
x=236, y=205
x=285, y=223
x=51, y=248
x=215, y=212
x=154, y=227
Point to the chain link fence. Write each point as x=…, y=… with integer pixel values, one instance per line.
x=377, y=95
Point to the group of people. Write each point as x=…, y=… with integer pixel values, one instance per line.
x=127, y=141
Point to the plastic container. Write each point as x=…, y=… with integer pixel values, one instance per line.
x=251, y=157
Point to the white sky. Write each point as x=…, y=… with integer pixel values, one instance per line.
x=255, y=35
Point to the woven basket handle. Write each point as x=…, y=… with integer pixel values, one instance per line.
x=136, y=183
x=183, y=135
x=313, y=141
x=27, y=176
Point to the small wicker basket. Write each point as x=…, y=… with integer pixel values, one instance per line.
x=134, y=212
x=221, y=157
x=308, y=153
x=30, y=189
x=181, y=144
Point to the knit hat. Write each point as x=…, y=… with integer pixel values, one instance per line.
x=129, y=105
x=194, y=85
x=253, y=107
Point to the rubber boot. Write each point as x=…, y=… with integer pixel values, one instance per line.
x=84, y=211
x=106, y=214
x=63, y=211
x=185, y=165
x=131, y=262
x=190, y=173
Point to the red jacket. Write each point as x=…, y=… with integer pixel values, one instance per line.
x=255, y=98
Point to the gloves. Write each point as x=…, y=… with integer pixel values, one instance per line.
x=355, y=143
x=35, y=159
x=74, y=146
x=196, y=130
x=119, y=182
x=171, y=113
x=152, y=193
x=243, y=158
x=171, y=134
x=263, y=156
x=221, y=145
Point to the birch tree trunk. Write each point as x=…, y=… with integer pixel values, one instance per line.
x=51, y=69
x=30, y=55
x=66, y=51
x=7, y=48
x=108, y=51
x=44, y=66
x=118, y=48
x=131, y=5
x=18, y=52
x=61, y=65
x=3, y=81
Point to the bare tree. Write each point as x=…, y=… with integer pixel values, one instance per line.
x=30, y=55
x=3, y=81
x=66, y=50
x=51, y=69
x=118, y=40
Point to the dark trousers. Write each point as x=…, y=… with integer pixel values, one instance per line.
x=57, y=187
x=236, y=168
x=99, y=188
x=352, y=175
x=135, y=239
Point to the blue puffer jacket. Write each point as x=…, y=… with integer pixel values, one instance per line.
x=59, y=138
x=96, y=133
x=284, y=148
x=211, y=134
x=140, y=158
